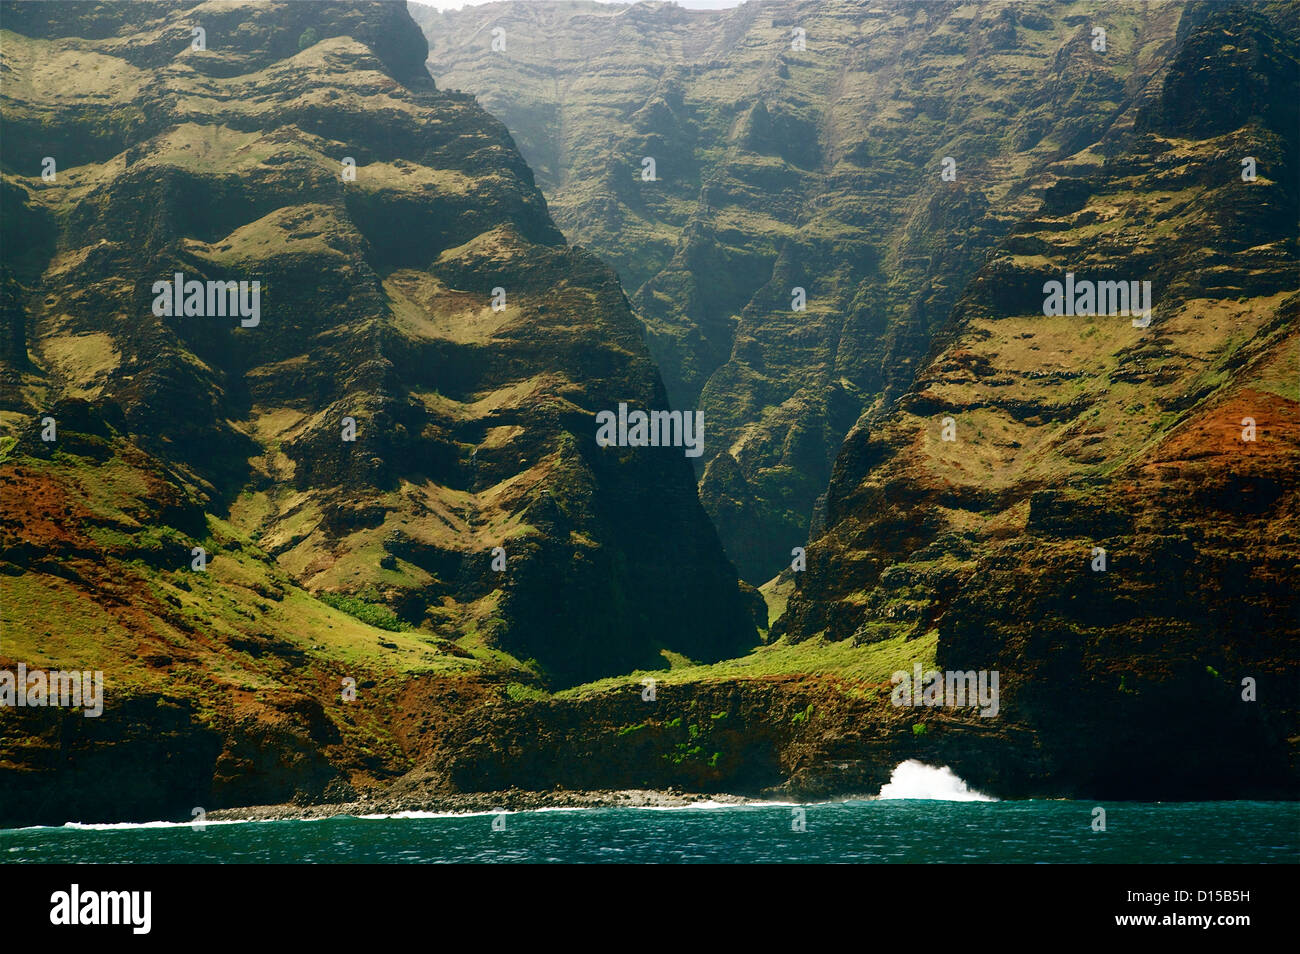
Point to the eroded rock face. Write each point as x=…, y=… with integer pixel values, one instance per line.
x=1172, y=448
x=302, y=150
x=305, y=148
x=774, y=737
x=818, y=168
x=475, y=427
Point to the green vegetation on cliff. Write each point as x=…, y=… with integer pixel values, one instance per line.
x=1113, y=523
x=354, y=623
x=353, y=454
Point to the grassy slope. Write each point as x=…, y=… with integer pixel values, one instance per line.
x=869, y=665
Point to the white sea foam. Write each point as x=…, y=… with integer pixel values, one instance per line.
x=913, y=779
x=702, y=805
x=114, y=826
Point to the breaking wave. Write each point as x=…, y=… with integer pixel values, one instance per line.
x=913, y=779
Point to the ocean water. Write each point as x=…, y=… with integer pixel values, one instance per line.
x=921, y=817
x=901, y=830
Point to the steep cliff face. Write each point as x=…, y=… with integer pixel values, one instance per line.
x=368, y=565
x=1030, y=444
x=412, y=383
x=799, y=145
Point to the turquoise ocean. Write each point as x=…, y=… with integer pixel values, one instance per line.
x=877, y=830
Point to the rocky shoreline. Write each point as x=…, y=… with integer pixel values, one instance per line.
x=513, y=800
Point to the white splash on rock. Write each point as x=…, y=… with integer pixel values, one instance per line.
x=913, y=779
